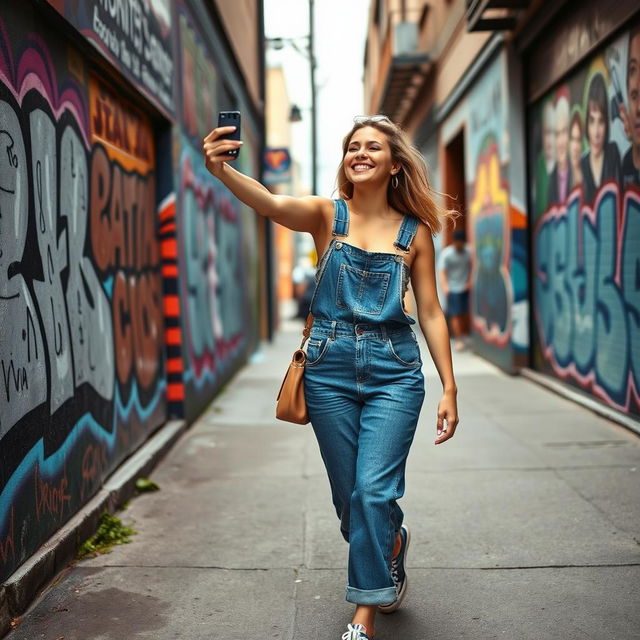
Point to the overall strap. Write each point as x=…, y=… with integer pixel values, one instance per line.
x=406, y=232
x=340, y=218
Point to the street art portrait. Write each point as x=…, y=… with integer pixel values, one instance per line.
x=586, y=234
x=82, y=350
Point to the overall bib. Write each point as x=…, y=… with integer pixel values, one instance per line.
x=364, y=389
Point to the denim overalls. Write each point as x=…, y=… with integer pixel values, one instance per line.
x=364, y=389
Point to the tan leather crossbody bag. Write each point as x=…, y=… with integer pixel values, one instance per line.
x=290, y=403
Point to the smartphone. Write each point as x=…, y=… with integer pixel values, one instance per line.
x=226, y=119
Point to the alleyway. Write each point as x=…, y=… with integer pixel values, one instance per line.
x=525, y=525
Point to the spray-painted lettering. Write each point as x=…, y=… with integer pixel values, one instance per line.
x=587, y=284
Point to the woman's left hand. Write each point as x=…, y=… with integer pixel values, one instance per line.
x=447, y=410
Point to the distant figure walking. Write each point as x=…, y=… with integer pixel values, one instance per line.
x=455, y=279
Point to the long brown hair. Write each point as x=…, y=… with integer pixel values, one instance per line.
x=414, y=193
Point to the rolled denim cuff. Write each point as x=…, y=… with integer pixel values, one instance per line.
x=387, y=595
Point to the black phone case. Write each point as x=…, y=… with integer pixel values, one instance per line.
x=230, y=118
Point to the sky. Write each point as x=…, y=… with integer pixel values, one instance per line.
x=340, y=31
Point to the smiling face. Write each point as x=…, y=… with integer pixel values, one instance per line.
x=368, y=157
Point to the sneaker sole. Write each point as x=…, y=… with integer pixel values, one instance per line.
x=390, y=608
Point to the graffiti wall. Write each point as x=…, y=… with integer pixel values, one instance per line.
x=585, y=195
x=499, y=307
x=82, y=351
x=128, y=274
x=216, y=241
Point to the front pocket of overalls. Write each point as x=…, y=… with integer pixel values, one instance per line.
x=362, y=291
x=404, y=348
x=316, y=350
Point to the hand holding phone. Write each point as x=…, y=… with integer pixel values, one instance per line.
x=222, y=143
x=230, y=119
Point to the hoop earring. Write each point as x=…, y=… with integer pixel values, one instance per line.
x=394, y=181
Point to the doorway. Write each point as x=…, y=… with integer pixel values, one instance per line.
x=454, y=186
x=455, y=183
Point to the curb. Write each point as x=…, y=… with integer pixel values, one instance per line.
x=25, y=584
x=579, y=398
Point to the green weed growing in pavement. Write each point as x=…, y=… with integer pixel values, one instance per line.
x=144, y=484
x=110, y=532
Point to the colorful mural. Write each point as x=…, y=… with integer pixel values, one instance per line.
x=82, y=350
x=216, y=233
x=128, y=274
x=496, y=226
x=489, y=215
x=585, y=158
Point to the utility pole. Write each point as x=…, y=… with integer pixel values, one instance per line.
x=314, y=115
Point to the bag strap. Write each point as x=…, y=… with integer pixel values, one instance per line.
x=306, y=332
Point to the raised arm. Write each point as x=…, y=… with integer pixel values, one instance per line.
x=434, y=327
x=298, y=214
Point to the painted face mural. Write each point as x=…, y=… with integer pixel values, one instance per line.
x=633, y=90
x=585, y=251
x=549, y=135
x=575, y=149
x=562, y=133
x=595, y=129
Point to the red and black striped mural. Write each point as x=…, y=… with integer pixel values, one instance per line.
x=171, y=303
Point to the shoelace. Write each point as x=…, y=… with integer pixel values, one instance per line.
x=394, y=570
x=354, y=632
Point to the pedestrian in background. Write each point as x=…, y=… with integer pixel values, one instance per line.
x=304, y=282
x=363, y=379
x=455, y=280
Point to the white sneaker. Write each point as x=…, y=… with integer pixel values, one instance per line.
x=355, y=632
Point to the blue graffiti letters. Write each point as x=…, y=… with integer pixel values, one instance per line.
x=588, y=292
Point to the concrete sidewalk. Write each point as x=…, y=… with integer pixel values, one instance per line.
x=525, y=525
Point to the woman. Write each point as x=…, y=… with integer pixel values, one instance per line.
x=575, y=149
x=602, y=161
x=364, y=385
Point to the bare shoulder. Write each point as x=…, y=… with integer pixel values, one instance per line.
x=325, y=207
x=423, y=240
